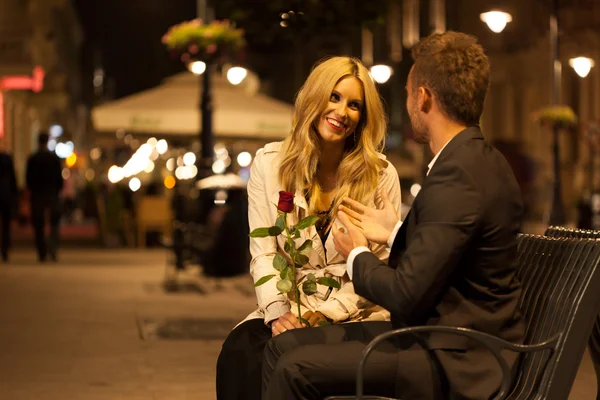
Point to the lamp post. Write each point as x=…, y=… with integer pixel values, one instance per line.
x=204, y=46
x=496, y=21
x=206, y=105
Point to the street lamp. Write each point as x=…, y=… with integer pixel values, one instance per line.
x=496, y=20
x=197, y=67
x=581, y=65
x=381, y=73
x=236, y=75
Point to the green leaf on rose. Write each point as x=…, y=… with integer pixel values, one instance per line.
x=275, y=230
x=301, y=259
x=296, y=233
x=309, y=287
x=279, y=262
x=289, y=246
x=260, y=233
x=311, y=277
x=306, y=222
x=284, y=285
x=323, y=323
x=306, y=247
x=329, y=282
x=280, y=222
x=263, y=280
x=287, y=273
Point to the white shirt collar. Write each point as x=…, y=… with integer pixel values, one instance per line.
x=436, y=157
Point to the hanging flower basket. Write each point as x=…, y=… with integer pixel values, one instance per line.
x=557, y=116
x=194, y=40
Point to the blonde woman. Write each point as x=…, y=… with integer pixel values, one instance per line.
x=334, y=151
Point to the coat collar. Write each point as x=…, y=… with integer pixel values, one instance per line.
x=472, y=132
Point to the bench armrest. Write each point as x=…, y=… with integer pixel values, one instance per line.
x=493, y=343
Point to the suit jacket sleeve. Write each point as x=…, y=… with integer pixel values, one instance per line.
x=448, y=212
x=263, y=250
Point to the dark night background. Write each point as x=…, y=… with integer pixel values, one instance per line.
x=124, y=38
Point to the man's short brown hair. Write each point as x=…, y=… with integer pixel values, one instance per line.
x=454, y=67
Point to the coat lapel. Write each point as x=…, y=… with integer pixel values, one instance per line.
x=411, y=220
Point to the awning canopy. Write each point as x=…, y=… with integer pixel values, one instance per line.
x=173, y=109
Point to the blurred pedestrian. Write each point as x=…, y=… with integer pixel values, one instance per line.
x=44, y=181
x=8, y=197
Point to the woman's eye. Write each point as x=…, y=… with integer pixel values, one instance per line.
x=334, y=97
x=355, y=105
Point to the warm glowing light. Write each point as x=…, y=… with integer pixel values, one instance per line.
x=64, y=150
x=149, y=167
x=381, y=73
x=219, y=167
x=244, y=159
x=169, y=182
x=162, y=146
x=581, y=65
x=115, y=174
x=236, y=75
x=197, y=67
x=189, y=158
x=71, y=160
x=171, y=164
x=135, y=184
x=496, y=20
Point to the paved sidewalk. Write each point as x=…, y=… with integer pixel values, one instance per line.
x=69, y=331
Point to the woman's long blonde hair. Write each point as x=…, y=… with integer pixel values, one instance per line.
x=359, y=168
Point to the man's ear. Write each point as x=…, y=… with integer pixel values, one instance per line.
x=425, y=99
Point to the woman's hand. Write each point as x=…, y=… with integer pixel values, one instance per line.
x=284, y=323
x=314, y=318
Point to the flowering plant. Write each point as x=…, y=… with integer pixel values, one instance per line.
x=194, y=39
x=562, y=116
x=297, y=257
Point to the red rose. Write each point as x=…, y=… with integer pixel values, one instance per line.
x=286, y=201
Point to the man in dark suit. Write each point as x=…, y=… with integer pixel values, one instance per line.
x=452, y=260
x=44, y=181
x=8, y=198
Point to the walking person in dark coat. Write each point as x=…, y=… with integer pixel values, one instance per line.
x=8, y=196
x=44, y=181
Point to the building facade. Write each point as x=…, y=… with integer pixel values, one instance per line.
x=42, y=33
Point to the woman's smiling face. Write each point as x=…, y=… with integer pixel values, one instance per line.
x=343, y=111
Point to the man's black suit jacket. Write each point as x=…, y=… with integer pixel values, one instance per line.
x=453, y=262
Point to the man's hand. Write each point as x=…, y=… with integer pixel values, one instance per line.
x=346, y=241
x=284, y=323
x=314, y=318
x=376, y=225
